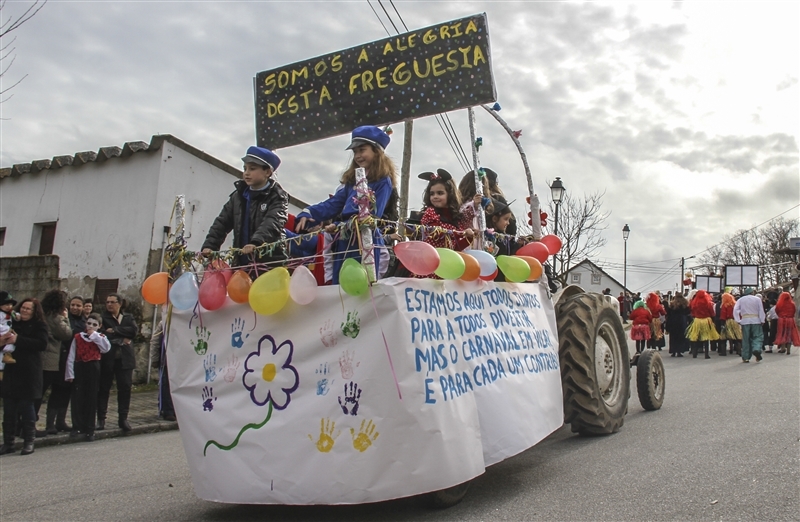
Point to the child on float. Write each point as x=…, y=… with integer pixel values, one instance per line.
x=256, y=212
x=731, y=330
x=467, y=189
x=368, y=144
x=702, y=330
x=641, y=319
x=442, y=209
x=83, y=370
x=787, y=334
x=659, y=314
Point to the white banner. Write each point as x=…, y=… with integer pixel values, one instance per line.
x=358, y=399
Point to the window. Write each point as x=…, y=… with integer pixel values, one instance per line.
x=102, y=288
x=596, y=279
x=2, y=236
x=576, y=278
x=42, y=239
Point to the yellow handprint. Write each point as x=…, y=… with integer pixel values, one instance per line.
x=326, y=436
x=366, y=436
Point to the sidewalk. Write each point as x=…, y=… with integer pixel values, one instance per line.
x=143, y=417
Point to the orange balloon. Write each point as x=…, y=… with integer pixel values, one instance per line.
x=491, y=276
x=155, y=288
x=473, y=268
x=239, y=287
x=536, y=267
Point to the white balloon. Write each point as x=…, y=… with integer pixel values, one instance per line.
x=303, y=286
x=485, y=259
x=183, y=294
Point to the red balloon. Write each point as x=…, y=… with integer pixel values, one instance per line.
x=536, y=250
x=552, y=242
x=223, y=268
x=212, y=291
x=418, y=256
x=491, y=276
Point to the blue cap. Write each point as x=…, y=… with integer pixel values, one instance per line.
x=263, y=157
x=369, y=134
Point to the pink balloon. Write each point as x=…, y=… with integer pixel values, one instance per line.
x=536, y=250
x=553, y=243
x=212, y=291
x=418, y=256
x=223, y=268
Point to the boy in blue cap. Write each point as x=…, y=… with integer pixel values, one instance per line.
x=256, y=211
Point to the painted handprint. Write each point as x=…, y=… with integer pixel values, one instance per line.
x=352, y=394
x=326, y=437
x=366, y=436
x=323, y=384
x=352, y=326
x=327, y=334
x=237, y=328
x=210, y=365
x=346, y=364
x=208, y=398
x=230, y=370
x=201, y=345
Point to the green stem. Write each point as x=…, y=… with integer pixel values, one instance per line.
x=236, y=440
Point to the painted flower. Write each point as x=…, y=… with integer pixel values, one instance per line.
x=269, y=375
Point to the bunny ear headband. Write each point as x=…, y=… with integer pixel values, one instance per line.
x=439, y=175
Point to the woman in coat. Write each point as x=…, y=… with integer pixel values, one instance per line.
x=54, y=358
x=678, y=316
x=22, y=381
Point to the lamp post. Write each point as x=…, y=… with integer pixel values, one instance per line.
x=557, y=190
x=626, y=231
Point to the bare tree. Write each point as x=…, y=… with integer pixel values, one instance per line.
x=765, y=247
x=580, y=223
x=7, y=52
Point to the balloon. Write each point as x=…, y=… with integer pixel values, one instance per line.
x=418, y=256
x=353, y=278
x=552, y=242
x=515, y=269
x=451, y=265
x=536, y=267
x=183, y=294
x=486, y=260
x=155, y=288
x=212, y=292
x=223, y=268
x=270, y=291
x=536, y=249
x=472, y=268
x=491, y=276
x=303, y=286
x=239, y=287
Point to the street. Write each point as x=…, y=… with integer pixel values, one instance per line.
x=724, y=446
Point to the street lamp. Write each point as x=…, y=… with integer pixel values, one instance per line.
x=626, y=231
x=557, y=191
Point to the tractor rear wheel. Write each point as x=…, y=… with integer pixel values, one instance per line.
x=595, y=368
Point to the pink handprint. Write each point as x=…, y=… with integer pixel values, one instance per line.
x=346, y=364
x=230, y=370
x=327, y=334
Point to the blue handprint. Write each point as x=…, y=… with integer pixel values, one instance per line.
x=237, y=327
x=208, y=398
x=322, y=384
x=210, y=365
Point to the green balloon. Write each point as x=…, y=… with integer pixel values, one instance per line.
x=353, y=278
x=451, y=265
x=515, y=269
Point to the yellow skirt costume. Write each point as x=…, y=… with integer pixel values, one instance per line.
x=732, y=331
x=702, y=330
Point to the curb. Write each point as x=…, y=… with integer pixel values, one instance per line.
x=64, y=438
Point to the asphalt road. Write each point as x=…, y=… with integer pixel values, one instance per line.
x=725, y=446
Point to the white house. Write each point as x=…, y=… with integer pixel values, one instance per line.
x=592, y=278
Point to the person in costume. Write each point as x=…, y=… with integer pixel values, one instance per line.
x=640, y=331
x=702, y=330
x=787, y=334
x=256, y=213
x=678, y=316
x=731, y=331
x=659, y=314
x=749, y=313
x=368, y=144
x=468, y=190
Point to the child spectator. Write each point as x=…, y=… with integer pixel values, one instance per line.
x=7, y=304
x=640, y=331
x=83, y=370
x=442, y=208
x=368, y=144
x=256, y=212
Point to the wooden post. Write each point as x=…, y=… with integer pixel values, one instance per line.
x=405, y=171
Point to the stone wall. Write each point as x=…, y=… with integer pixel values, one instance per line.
x=29, y=276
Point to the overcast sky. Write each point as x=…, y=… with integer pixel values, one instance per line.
x=685, y=114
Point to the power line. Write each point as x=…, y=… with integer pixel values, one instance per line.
x=389, y=17
x=379, y=18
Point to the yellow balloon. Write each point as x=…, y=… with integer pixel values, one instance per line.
x=270, y=291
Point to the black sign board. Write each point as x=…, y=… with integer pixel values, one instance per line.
x=428, y=71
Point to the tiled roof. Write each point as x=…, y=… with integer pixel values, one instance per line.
x=106, y=153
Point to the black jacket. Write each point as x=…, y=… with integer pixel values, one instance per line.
x=23, y=380
x=125, y=329
x=269, y=209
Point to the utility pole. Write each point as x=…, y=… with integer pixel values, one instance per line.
x=683, y=261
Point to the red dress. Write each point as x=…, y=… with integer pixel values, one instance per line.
x=641, y=317
x=787, y=329
x=443, y=218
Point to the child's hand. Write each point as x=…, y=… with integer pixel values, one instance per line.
x=330, y=229
x=248, y=249
x=469, y=234
x=206, y=252
x=476, y=201
x=301, y=224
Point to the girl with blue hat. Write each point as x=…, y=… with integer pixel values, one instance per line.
x=368, y=144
